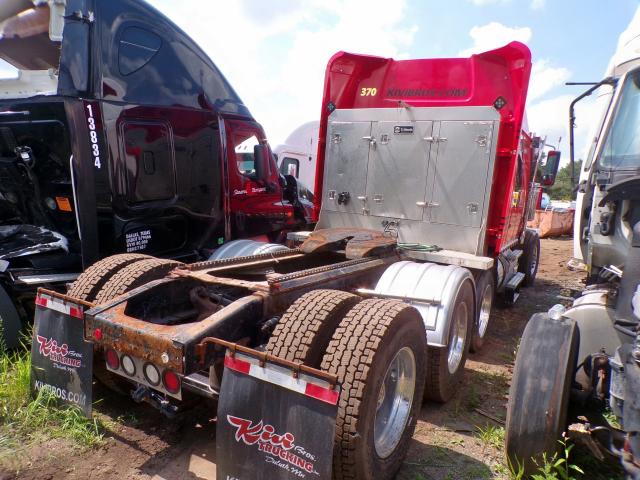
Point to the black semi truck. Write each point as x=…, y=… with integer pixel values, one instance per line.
x=120, y=135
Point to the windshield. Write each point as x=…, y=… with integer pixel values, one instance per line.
x=622, y=146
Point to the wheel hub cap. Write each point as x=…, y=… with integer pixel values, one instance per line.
x=395, y=399
x=457, y=338
x=485, y=311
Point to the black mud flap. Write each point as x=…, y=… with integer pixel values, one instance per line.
x=274, y=423
x=61, y=360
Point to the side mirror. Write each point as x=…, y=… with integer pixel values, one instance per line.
x=261, y=157
x=550, y=169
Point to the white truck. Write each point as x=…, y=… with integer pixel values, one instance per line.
x=588, y=357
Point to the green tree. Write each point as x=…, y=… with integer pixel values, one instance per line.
x=562, y=190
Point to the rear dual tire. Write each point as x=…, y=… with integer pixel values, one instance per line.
x=378, y=353
x=377, y=350
x=445, y=366
x=304, y=331
x=485, y=293
x=91, y=281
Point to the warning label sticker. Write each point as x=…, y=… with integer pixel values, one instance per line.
x=137, y=240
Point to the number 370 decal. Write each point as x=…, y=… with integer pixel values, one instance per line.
x=93, y=137
x=368, y=92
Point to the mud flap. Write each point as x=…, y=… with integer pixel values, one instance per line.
x=61, y=360
x=273, y=423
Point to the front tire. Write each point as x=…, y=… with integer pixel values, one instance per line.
x=10, y=323
x=540, y=388
x=530, y=259
x=378, y=353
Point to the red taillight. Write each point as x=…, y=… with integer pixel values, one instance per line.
x=112, y=359
x=97, y=334
x=171, y=381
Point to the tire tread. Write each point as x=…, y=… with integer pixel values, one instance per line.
x=89, y=283
x=305, y=329
x=135, y=275
x=350, y=356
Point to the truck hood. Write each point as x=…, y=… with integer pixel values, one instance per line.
x=25, y=38
x=30, y=41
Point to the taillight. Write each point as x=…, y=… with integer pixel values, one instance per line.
x=112, y=359
x=151, y=374
x=171, y=381
x=128, y=366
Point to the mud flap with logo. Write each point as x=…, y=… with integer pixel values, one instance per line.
x=61, y=360
x=273, y=424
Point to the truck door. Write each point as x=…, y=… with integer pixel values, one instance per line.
x=398, y=168
x=461, y=170
x=346, y=173
x=255, y=203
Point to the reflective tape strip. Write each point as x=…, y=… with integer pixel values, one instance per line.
x=58, y=305
x=285, y=380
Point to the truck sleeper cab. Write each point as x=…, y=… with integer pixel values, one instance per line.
x=120, y=135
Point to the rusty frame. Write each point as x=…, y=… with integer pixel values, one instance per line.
x=365, y=254
x=173, y=346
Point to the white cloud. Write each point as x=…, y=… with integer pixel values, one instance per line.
x=545, y=77
x=538, y=4
x=275, y=57
x=551, y=118
x=494, y=35
x=482, y=3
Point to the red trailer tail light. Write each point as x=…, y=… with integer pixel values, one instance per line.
x=151, y=374
x=128, y=365
x=112, y=359
x=171, y=381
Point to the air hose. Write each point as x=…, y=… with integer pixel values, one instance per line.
x=419, y=247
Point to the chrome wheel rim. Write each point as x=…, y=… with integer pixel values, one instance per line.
x=395, y=399
x=485, y=310
x=457, y=337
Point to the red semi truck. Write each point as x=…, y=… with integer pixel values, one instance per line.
x=423, y=188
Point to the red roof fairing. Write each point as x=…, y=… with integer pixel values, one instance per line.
x=498, y=77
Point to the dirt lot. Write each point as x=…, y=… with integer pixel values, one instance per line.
x=141, y=444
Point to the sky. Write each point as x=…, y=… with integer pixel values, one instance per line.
x=274, y=52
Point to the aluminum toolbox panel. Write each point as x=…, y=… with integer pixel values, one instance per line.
x=461, y=169
x=348, y=148
x=398, y=168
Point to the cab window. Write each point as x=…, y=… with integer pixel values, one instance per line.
x=290, y=166
x=243, y=143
